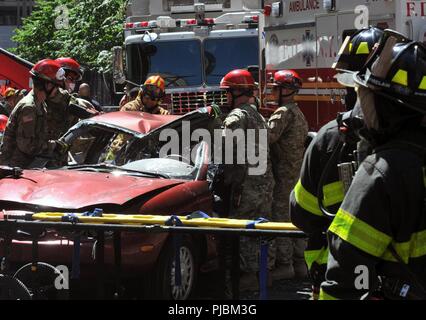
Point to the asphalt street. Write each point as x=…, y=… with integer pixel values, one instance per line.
x=296, y=289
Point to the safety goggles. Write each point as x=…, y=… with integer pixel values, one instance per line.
x=71, y=78
x=153, y=93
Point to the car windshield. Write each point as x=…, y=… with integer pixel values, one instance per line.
x=159, y=57
x=157, y=168
x=162, y=166
x=224, y=55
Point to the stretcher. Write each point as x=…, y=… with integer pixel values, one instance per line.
x=188, y=221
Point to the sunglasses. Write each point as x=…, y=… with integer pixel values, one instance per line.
x=71, y=78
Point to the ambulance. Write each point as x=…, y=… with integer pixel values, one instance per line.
x=192, y=45
x=305, y=35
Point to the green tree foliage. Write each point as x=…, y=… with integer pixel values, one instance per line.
x=84, y=29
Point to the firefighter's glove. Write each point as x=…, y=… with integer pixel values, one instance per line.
x=164, y=112
x=216, y=112
x=61, y=147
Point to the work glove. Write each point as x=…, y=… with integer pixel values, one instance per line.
x=216, y=112
x=164, y=112
x=61, y=147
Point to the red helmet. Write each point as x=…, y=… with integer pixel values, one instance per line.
x=69, y=64
x=287, y=79
x=238, y=79
x=3, y=122
x=48, y=70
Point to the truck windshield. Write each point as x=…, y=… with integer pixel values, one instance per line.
x=178, y=62
x=224, y=55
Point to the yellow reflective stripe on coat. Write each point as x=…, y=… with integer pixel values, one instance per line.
x=306, y=200
x=360, y=234
x=415, y=248
x=424, y=176
x=318, y=256
x=333, y=194
x=325, y=296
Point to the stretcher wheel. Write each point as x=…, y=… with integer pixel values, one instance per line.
x=13, y=289
x=42, y=286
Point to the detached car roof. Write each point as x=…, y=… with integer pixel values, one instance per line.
x=140, y=122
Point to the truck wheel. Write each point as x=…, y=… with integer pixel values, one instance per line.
x=13, y=289
x=164, y=286
x=42, y=284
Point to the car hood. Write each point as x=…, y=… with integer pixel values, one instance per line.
x=67, y=189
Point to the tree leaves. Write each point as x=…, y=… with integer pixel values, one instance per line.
x=94, y=27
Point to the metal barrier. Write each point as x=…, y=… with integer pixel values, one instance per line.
x=9, y=228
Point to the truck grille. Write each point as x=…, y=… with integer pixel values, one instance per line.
x=184, y=102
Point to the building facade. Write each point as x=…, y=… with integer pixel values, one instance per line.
x=11, y=14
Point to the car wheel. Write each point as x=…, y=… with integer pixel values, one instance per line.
x=13, y=289
x=42, y=285
x=164, y=280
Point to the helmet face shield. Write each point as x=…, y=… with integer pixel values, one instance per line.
x=389, y=36
x=60, y=75
x=398, y=72
x=343, y=58
x=354, y=53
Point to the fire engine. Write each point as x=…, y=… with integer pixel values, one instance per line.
x=191, y=45
x=14, y=71
x=306, y=35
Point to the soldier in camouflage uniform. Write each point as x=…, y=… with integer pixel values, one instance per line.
x=63, y=108
x=287, y=136
x=149, y=97
x=59, y=117
x=251, y=195
x=26, y=135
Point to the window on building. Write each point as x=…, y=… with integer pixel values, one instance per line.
x=8, y=16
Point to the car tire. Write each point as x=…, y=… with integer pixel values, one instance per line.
x=45, y=278
x=13, y=289
x=163, y=284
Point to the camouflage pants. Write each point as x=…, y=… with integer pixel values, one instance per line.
x=285, y=250
x=255, y=203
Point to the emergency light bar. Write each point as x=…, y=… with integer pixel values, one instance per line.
x=168, y=23
x=251, y=19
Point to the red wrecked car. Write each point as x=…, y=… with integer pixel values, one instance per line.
x=113, y=165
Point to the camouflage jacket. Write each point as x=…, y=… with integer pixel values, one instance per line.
x=288, y=130
x=137, y=105
x=59, y=117
x=26, y=135
x=252, y=123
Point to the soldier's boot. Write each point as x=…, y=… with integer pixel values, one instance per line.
x=283, y=272
x=300, y=269
x=249, y=282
